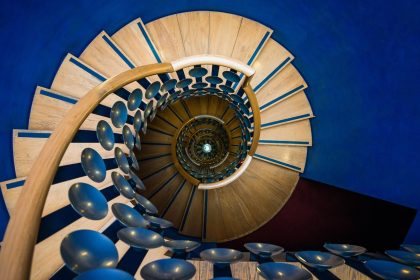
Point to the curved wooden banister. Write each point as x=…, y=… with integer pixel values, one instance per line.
x=22, y=231
x=206, y=59
x=256, y=113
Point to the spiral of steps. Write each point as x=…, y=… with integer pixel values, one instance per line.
x=171, y=125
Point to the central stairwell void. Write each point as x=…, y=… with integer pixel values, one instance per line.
x=197, y=121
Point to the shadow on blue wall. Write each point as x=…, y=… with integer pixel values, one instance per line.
x=360, y=59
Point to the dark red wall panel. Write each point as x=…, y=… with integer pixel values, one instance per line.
x=318, y=213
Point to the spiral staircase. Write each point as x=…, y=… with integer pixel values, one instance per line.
x=218, y=140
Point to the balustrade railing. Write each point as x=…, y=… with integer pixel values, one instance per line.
x=22, y=231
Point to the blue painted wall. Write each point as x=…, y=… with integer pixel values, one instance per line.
x=360, y=59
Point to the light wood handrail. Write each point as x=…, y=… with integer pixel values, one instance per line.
x=256, y=113
x=206, y=59
x=22, y=231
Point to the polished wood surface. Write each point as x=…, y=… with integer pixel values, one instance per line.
x=224, y=30
x=176, y=210
x=131, y=40
x=153, y=136
x=296, y=105
x=27, y=149
x=163, y=197
x=158, y=180
x=204, y=270
x=200, y=106
x=162, y=124
x=57, y=195
x=231, y=210
x=195, y=28
x=193, y=215
x=271, y=57
x=231, y=63
x=245, y=270
x=290, y=155
x=150, y=151
x=250, y=35
x=76, y=82
x=23, y=227
x=170, y=116
x=47, y=112
x=347, y=272
x=297, y=133
x=148, y=168
x=197, y=105
x=256, y=113
x=284, y=85
x=179, y=110
x=101, y=56
x=228, y=180
x=166, y=35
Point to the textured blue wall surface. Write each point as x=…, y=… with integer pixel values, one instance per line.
x=360, y=59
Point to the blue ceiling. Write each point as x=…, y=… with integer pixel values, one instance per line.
x=360, y=59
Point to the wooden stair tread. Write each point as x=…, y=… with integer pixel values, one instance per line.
x=150, y=151
x=294, y=108
x=285, y=84
x=49, y=107
x=107, y=57
x=28, y=144
x=223, y=31
x=162, y=198
x=194, y=28
x=176, y=209
x=57, y=196
x=192, y=221
x=154, y=165
x=250, y=40
x=295, y=133
x=179, y=110
x=292, y=157
x=75, y=78
x=135, y=41
x=162, y=125
x=166, y=36
x=168, y=115
x=272, y=59
x=157, y=181
x=261, y=184
x=157, y=136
